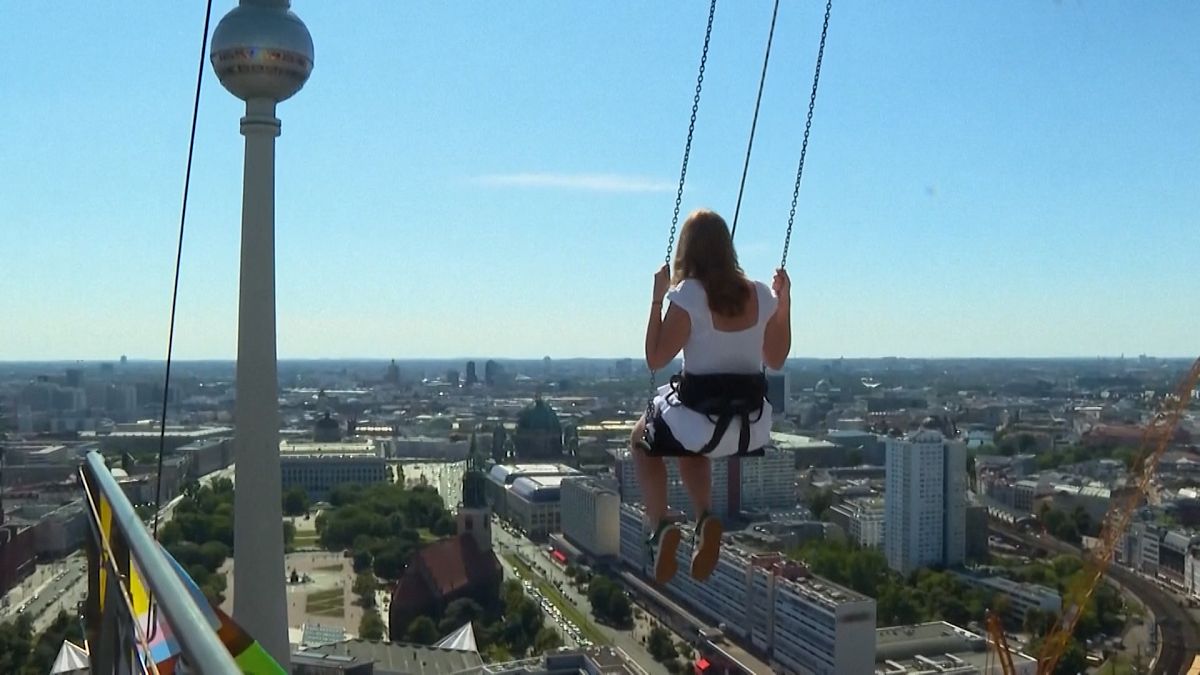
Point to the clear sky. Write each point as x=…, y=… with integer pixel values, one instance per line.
x=496, y=179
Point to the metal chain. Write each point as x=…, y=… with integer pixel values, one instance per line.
x=687, y=147
x=812, y=102
x=687, y=151
x=762, y=80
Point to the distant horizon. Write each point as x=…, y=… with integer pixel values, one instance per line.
x=388, y=359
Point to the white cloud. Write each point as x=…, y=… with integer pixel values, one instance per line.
x=592, y=182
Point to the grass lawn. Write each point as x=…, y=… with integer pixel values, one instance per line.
x=326, y=603
x=570, y=611
x=427, y=537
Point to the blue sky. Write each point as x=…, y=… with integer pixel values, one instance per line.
x=478, y=179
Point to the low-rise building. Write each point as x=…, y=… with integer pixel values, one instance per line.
x=1022, y=597
x=528, y=495
x=942, y=648
x=319, y=467
x=861, y=519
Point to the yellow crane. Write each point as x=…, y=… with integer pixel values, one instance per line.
x=1156, y=438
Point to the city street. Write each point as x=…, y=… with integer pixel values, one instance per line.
x=61, y=585
x=554, y=573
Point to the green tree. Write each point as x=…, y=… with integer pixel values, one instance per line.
x=819, y=502
x=364, y=587
x=422, y=631
x=295, y=501
x=660, y=646
x=391, y=561
x=497, y=652
x=371, y=627
x=16, y=641
x=47, y=645
x=546, y=640
x=459, y=612
x=1073, y=661
x=362, y=560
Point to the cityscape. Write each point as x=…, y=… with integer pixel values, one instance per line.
x=899, y=502
x=403, y=425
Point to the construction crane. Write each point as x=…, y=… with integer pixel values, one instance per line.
x=1156, y=438
x=995, y=629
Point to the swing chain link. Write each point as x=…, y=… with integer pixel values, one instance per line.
x=687, y=147
x=812, y=102
x=687, y=151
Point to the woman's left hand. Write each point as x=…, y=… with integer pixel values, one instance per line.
x=662, y=283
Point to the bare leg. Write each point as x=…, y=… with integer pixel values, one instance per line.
x=652, y=478
x=696, y=473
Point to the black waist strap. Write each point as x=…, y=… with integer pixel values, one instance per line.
x=722, y=398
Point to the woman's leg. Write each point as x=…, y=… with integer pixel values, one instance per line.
x=696, y=473
x=652, y=478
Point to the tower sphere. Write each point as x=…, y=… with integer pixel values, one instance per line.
x=262, y=50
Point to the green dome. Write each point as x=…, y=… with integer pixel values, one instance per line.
x=538, y=417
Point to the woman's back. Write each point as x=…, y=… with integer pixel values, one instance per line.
x=723, y=344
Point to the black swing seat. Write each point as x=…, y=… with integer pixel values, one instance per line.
x=723, y=397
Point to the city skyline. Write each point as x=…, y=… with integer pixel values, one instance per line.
x=982, y=181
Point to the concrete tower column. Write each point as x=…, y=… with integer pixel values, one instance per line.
x=263, y=55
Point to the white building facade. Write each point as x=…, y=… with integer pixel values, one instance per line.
x=590, y=517
x=768, y=482
x=925, y=502
x=804, y=623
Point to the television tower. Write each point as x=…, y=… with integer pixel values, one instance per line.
x=263, y=54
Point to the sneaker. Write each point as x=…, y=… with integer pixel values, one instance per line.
x=706, y=546
x=662, y=547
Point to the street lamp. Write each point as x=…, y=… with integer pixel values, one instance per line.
x=263, y=54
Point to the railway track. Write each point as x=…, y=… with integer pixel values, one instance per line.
x=1179, y=634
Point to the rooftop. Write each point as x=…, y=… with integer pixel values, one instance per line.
x=289, y=448
x=798, y=442
x=152, y=430
x=401, y=657
x=933, y=647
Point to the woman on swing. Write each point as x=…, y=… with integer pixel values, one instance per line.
x=728, y=327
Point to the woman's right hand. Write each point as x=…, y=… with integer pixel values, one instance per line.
x=782, y=285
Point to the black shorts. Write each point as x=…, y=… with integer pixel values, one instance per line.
x=662, y=443
x=658, y=441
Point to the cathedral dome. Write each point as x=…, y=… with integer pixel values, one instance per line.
x=327, y=430
x=539, y=417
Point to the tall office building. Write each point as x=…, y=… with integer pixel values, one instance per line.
x=926, y=501
x=590, y=516
x=778, y=391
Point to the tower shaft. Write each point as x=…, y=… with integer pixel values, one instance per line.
x=259, y=600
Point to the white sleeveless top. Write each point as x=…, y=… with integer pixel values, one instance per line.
x=710, y=351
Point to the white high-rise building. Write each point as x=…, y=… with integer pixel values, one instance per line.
x=926, y=501
x=769, y=481
x=591, y=516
